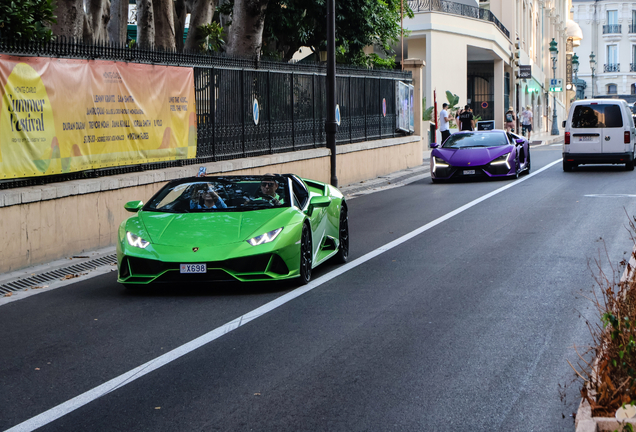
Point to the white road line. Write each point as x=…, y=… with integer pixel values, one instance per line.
x=610, y=196
x=120, y=381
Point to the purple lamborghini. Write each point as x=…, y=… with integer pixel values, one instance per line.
x=484, y=154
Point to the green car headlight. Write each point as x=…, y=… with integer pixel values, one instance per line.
x=136, y=241
x=503, y=159
x=265, y=238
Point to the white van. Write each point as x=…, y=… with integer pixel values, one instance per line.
x=599, y=131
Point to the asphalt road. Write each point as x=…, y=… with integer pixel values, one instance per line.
x=466, y=326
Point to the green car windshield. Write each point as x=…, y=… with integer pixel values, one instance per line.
x=468, y=140
x=218, y=194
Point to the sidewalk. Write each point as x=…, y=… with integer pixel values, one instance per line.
x=545, y=138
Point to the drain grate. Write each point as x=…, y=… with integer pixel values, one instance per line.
x=58, y=274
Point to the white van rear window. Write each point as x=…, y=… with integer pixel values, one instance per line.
x=597, y=116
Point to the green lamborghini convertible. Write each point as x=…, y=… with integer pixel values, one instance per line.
x=245, y=228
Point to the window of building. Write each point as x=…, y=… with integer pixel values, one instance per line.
x=612, y=54
x=633, y=90
x=611, y=89
x=612, y=17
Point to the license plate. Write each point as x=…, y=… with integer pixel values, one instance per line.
x=469, y=172
x=585, y=138
x=193, y=268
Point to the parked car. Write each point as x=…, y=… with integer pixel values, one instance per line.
x=244, y=228
x=487, y=154
x=599, y=131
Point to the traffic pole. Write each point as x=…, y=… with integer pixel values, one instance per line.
x=331, y=127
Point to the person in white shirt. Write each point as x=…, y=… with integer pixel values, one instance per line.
x=444, y=122
x=526, y=121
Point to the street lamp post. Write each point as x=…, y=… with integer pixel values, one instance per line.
x=593, y=69
x=575, y=69
x=331, y=126
x=553, y=55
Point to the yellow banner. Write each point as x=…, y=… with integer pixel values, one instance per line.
x=62, y=115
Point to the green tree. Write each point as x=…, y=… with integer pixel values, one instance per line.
x=26, y=20
x=291, y=24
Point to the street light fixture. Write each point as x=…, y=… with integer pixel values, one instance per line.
x=593, y=69
x=575, y=69
x=553, y=55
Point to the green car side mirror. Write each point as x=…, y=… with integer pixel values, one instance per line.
x=318, y=201
x=133, y=206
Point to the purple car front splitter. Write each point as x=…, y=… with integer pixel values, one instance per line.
x=470, y=163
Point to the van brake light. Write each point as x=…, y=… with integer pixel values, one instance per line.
x=567, y=137
x=627, y=137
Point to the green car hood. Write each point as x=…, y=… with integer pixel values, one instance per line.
x=218, y=228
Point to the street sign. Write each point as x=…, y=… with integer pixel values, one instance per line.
x=556, y=85
x=255, y=111
x=525, y=71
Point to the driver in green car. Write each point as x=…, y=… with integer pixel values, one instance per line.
x=267, y=191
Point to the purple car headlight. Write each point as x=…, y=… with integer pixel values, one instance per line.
x=439, y=163
x=502, y=160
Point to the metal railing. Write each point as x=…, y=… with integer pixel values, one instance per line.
x=457, y=9
x=612, y=67
x=611, y=28
x=291, y=99
x=292, y=110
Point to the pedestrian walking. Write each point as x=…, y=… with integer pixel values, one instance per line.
x=526, y=121
x=444, y=122
x=510, y=120
x=466, y=119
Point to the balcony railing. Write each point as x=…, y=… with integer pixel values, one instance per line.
x=612, y=67
x=457, y=9
x=632, y=28
x=611, y=28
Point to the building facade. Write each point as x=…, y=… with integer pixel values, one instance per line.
x=476, y=49
x=610, y=29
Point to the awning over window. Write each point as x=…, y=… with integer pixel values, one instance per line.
x=574, y=31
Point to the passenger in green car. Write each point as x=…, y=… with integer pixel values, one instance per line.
x=210, y=199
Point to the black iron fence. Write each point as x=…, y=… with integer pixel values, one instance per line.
x=249, y=112
x=457, y=9
x=247, y=108
x=612, y=67
x=611, y=28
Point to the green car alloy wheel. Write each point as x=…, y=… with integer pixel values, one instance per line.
x=206, y=230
